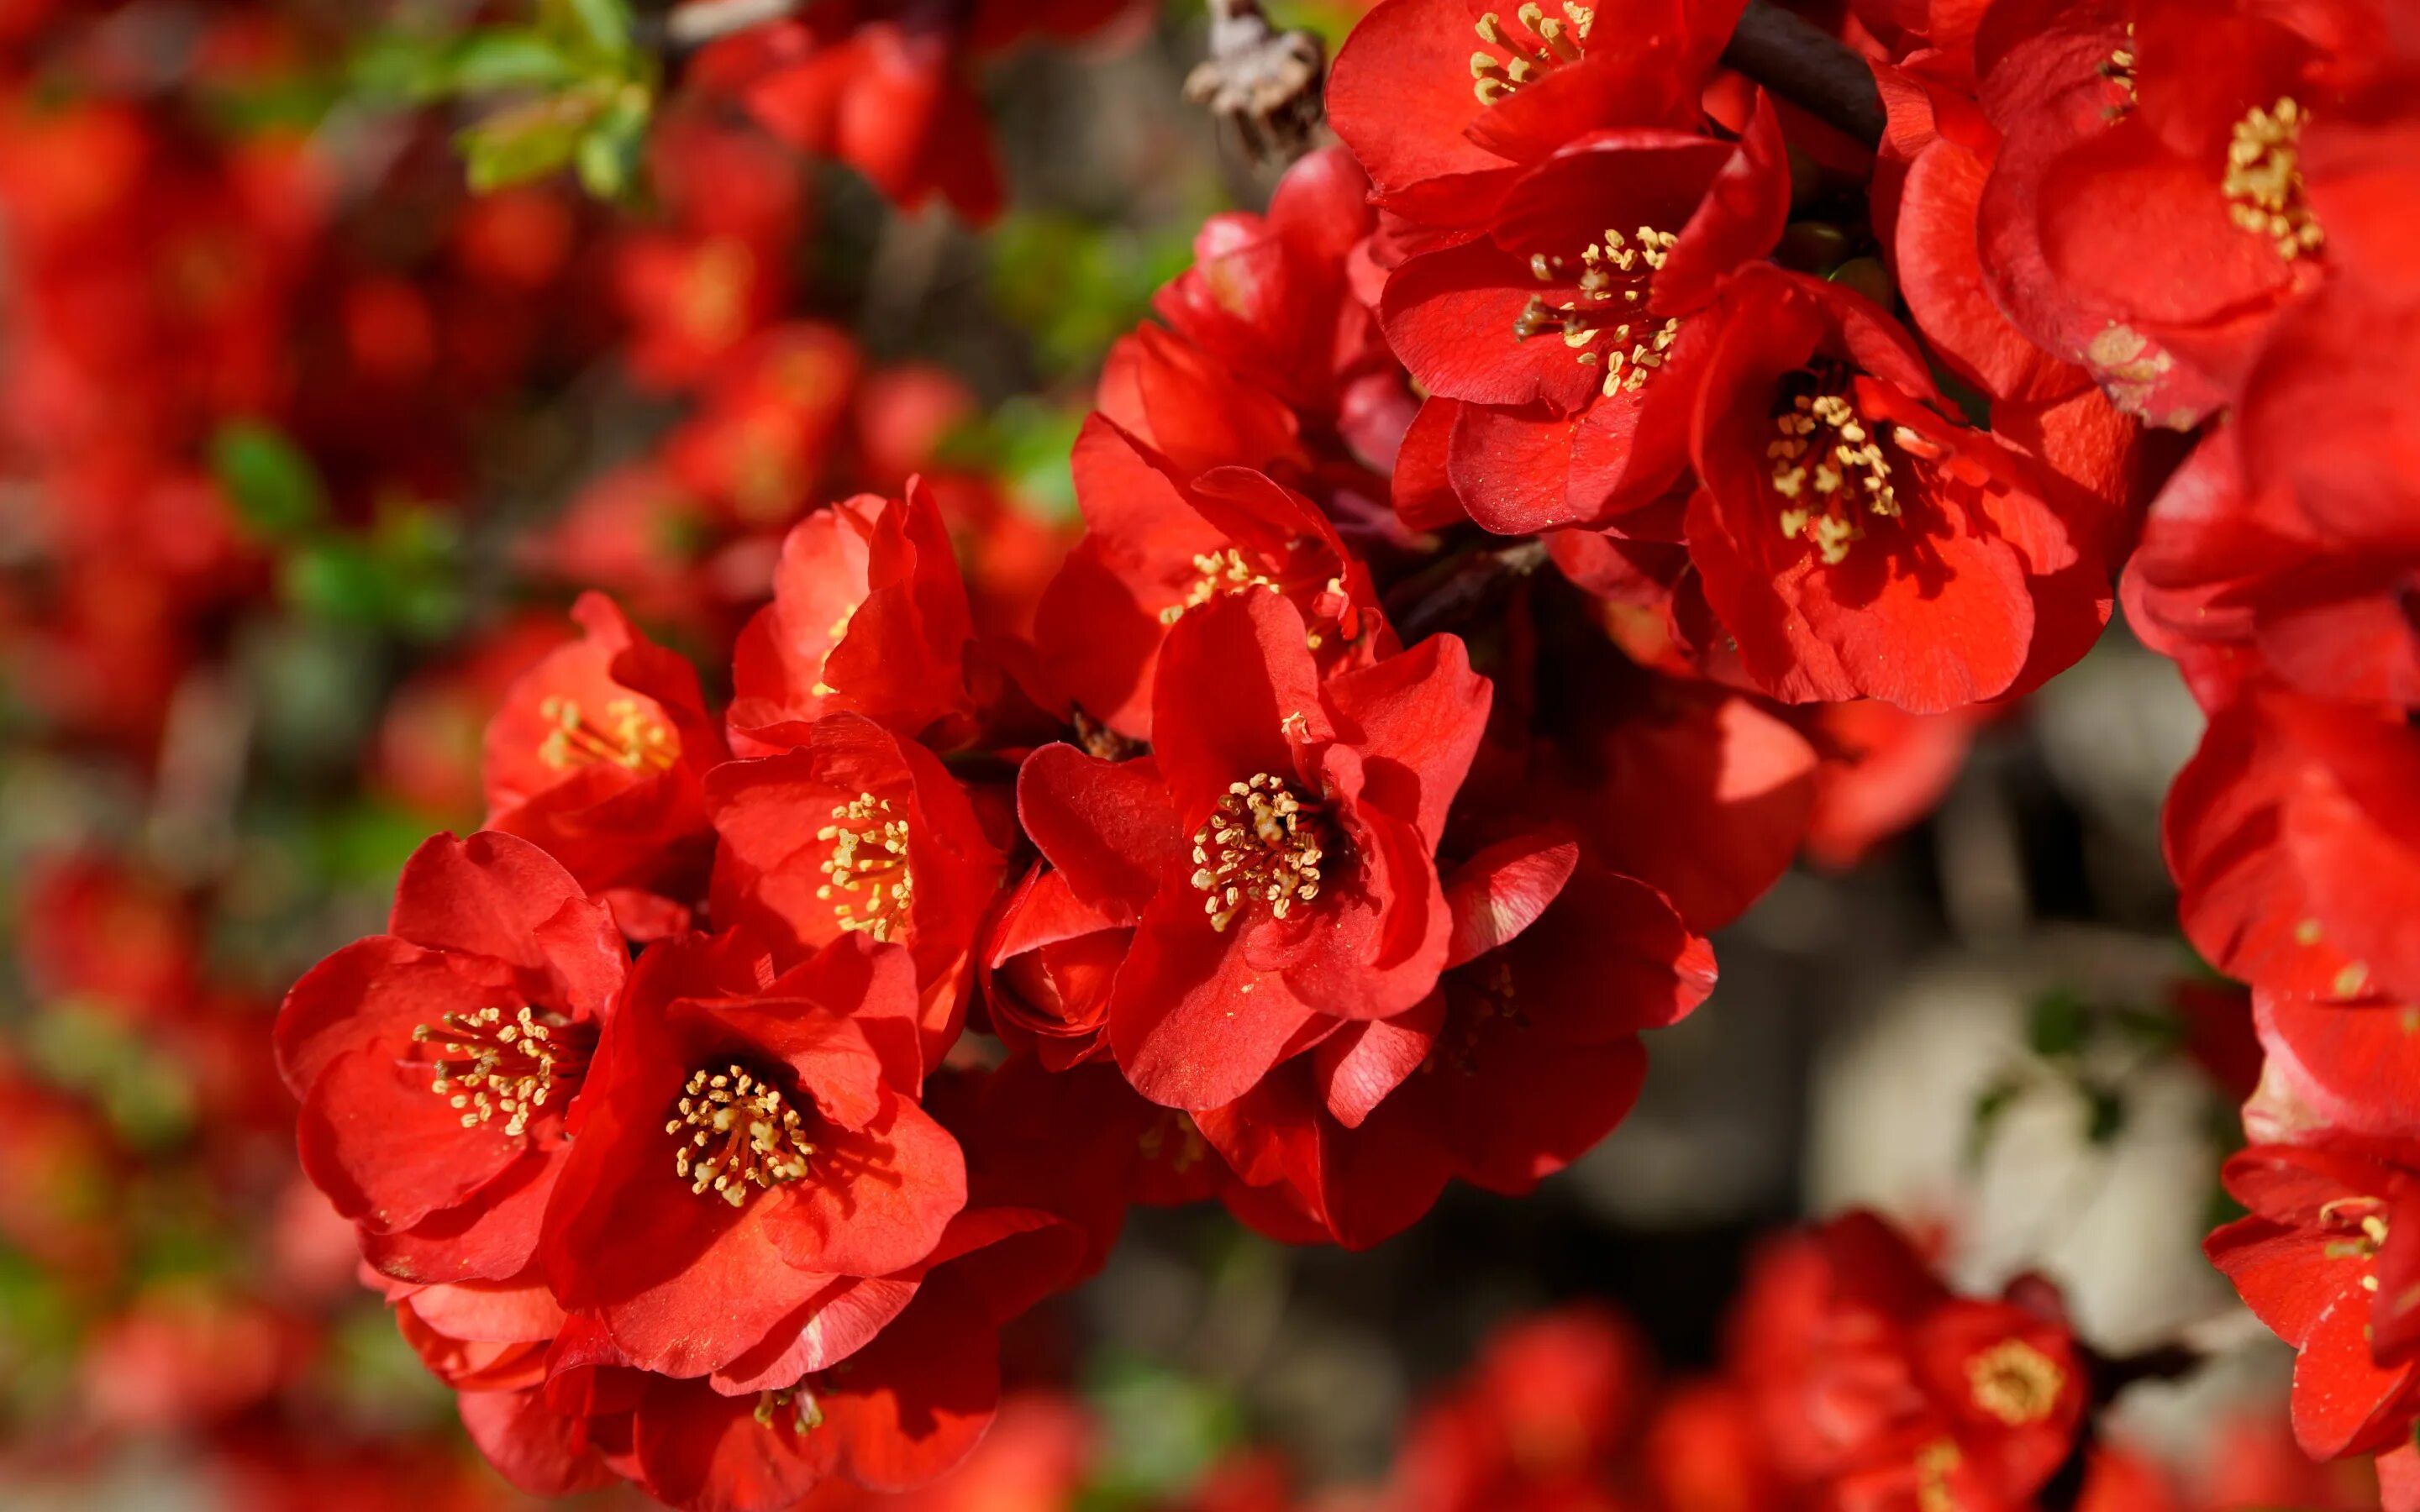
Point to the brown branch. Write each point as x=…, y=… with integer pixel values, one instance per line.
x=702, y=23
x=1807, y=66
x=1460, y=589
x=1265, y=83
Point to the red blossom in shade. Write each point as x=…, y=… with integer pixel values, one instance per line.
x=437, y=1063
x=1878, y=1388
x=857, y=832
x=599, y=755
x=751, y=1170
x=869, y=616
x=94, y=931
x=1538, y=1422
x=2330, y=1259
x=2188, y=217
x=1157, y=546
x=2295, y=844
x=1442, y=132
x=1883, y=770
x=907, y=1404
x=1523, y=1058
x=768, y=421
x=1309, y=895
x=1585, y=295
x=1854, y=540
x=1704, y=1452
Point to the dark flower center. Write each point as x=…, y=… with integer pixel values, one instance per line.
x=628, y=738
x=1532, y=46
x=737, y=1130
x=499, y=1066
x=2264, y=178
x=1262, y=842
x=868, y=866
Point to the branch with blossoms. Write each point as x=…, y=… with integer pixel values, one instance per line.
x=1644, y=448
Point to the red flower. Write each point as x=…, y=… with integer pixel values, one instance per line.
x=1855, y=542
x=437, y=1063
x=1444, y=100
x=2330, y=1259
x=2296, y=848
x=751, y=1168
x=2053, y=75
x=869, y=616
x=1157, y=546
x=904, y=1406
x=699, y=286
x=767, y=423
x=1309, y=896
x=2355, y=1065
x=1584, y=296
x=1525, y=1055
x=95, y=931
x=599, y=755
x=1880, y=1389
x=2188, y=217
x=857, y=832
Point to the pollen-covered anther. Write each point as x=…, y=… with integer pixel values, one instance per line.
x=792, y=1407
x=1824, y=461
x=737, y=1131
x=496, y=1065
x=2264, y=178
x=1224, y=571
x=2119, y=69
x=2015, y=1383
x=1532, y=45
x=870, y=888
x=1615, y=276
x=628, y=738
x=1261, y=844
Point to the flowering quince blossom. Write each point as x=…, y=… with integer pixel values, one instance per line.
x=599, y=755
x=1879, y=1388
x=1854, y=540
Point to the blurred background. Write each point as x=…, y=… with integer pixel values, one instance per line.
x=304, y=449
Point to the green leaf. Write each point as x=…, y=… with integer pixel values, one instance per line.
x=1992, y=1105
x=599, y=28
x=2058, y=1023
x=510, y=59
x=274, y=487
x=608, y=159
x=527, y=142
x=2105, y=1115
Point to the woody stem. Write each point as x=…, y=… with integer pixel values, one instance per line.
x=1809, y=68
x=702, y=22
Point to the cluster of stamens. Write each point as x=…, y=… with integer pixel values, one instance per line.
x=2015, y=1383
x=1845, y=465
x=1220, y=572
x=2119, y=69
x=1551, y=42
x=1260, y=843
x=511, y=1065
x=628, y=738
x=1613, y=272
x=737, y=1131
x=869, y=864
x=794, y=1406
x=1935, y=1464
x=2366, y=1225
x=2264, y=179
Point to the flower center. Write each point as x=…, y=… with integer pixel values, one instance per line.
x=626, y=739
x=1261, y=841
x=1828, y=467
x=2364, y=1220
x=1528, y=51
x=2015, y=1383
x=792, y=1407
x=737, y=1131
x=1614, y=277
x=494, y=1065
x=2264, y=179
x=1217, y=572
x=869, y=864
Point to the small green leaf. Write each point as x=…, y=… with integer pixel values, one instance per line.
x=527, y=142
x=274, y=487
x=510, y=59
x=599, y=28
x=608, y=159
x=1992, y=1105
x=2058, y=1025
x=2105, y=1115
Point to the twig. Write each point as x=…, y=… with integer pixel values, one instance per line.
x=1809, y=68
x=1457, y=591
x=1263, y=81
